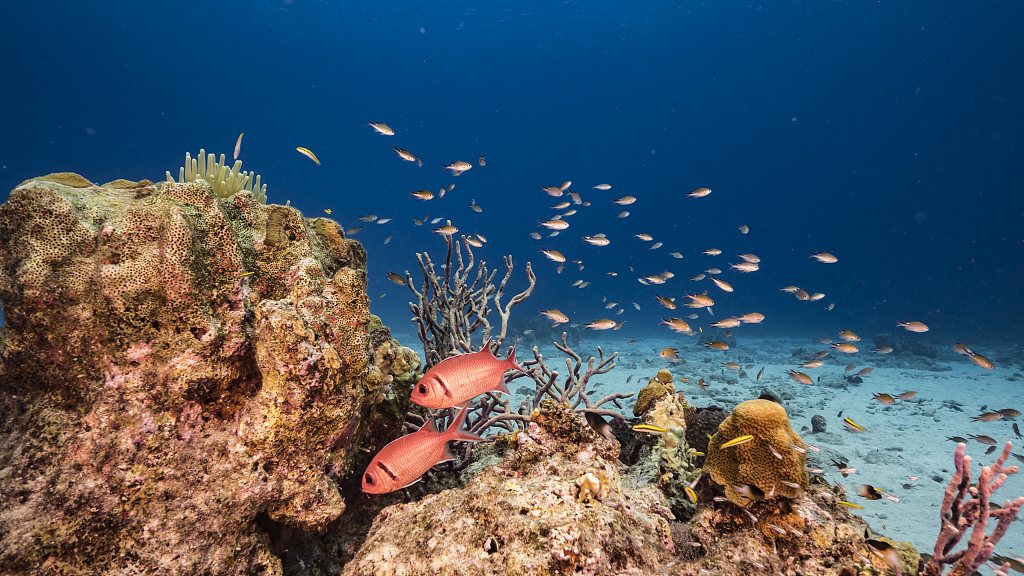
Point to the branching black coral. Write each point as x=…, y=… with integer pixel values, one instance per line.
x=451, y=306
x=574, y=390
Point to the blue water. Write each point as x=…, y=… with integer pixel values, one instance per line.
x=886, y=133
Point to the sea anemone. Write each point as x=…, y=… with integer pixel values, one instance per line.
x=225, y=182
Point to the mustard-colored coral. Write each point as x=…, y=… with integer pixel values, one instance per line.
x=788, y=521
x=648, y=396
x=664, y=376
x=753, y=462
x=375, y=324
x=67, y=179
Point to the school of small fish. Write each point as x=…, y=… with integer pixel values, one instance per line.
x=454, y=382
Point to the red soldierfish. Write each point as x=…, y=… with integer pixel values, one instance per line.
x=403, y=461
x=460, y=378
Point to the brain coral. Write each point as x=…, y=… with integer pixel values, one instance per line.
x=754, y=463
x=184, y=372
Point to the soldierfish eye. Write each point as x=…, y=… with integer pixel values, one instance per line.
x=368, y=479
x=423, y=389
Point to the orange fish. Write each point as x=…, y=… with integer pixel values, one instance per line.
x=460, y=378
x=403, y=461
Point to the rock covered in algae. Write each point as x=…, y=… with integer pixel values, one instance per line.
x=755, y=463
x=671, y=461
x=658, y=386
x=180, y=374
x=554, y=505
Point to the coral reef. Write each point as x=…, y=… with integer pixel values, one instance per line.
x=672, y=460
x=557, y=501
x=186, y=382
x=556, y=504
x=182, y=377
x=812, y=536
x=767, y=462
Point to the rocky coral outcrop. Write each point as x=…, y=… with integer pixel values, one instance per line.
x=701, y=425
x=670, y=461
x=557, y=504
x=812, y=536
x=180, y=374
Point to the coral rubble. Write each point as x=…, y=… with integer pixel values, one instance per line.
x=556, y=504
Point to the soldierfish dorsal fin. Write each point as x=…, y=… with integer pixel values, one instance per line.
x=486, y=349
x=511, y=361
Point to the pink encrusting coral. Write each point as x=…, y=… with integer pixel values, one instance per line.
x=959, y=515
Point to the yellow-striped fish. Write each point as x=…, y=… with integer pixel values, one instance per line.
x=850, y=505
x=650, y=428
x=852, y=426
x=308, y=154
x=737, y=441
x=243, y=275
x=690, y=494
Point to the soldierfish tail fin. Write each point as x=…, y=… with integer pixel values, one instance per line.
x=455, y=431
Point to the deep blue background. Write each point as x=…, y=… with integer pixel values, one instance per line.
x=888, y=133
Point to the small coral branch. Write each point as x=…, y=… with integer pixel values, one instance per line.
x=958, y=515
x=496, y=412
x=574, y=390
x=452, y=306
